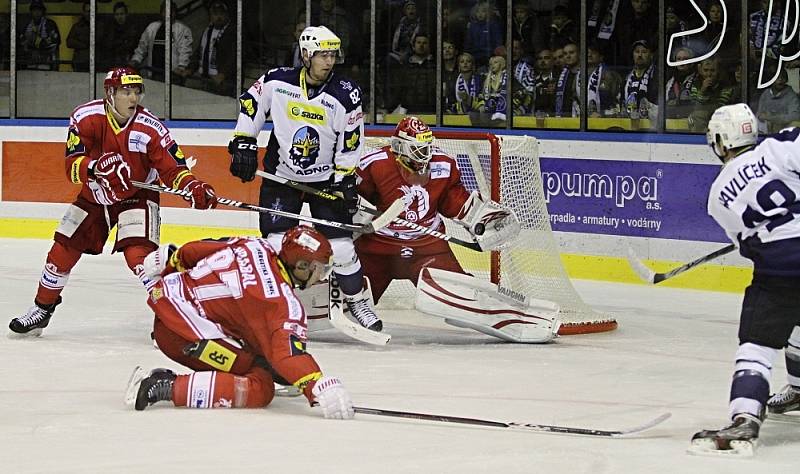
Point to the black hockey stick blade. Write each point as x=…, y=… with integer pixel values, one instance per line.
x=536, y=428
x=653, y=278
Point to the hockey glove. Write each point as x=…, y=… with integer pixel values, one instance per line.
x=244, y=157
x=346, y=185
x=203, y=195
x=157, y=261
x=333, y=399
x=113, y=174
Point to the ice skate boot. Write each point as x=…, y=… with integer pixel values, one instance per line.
x=146, y=389
x=360, y=308
x=33, y=322
x=784, y=401
x=737, y=439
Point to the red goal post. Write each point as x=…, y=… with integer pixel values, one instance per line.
x=509, y=167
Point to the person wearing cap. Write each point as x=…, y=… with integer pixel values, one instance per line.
x=39, y=40
x=111, y=142
x=214, y=59
x=640, y=92
x=405, y=31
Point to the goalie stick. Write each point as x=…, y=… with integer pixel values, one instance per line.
x=531, y=427
x=379, y=222
x=653, y=278
x=332, y=197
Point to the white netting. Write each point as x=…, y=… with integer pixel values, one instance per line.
x=531, y=265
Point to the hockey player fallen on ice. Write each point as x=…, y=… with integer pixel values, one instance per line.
x=429, y=183
x=755, y=199
x=228, y=311
x=316, y=139
x=111, y=142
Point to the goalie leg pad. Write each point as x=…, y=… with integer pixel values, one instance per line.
x=315, y=304
x=468, y=302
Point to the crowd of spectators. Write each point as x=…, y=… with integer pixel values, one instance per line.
x=544, y=75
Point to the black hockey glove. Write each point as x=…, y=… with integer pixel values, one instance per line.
x=244, y=157
x=347, y=186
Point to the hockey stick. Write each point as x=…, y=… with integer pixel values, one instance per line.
x=376, y=224
x=652, y=277
x=550, y=429
x=332, y=197
x=348, y=327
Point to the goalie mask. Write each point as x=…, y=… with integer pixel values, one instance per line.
x=731, y=126
x=307, y=255
x=412, y=144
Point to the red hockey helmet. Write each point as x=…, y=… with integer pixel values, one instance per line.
x=412, y=142
x=123, y=77
x=307, y=254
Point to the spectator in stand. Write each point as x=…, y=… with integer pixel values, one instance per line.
x=214, y=60
x=522, y=86
x=566, y=87
x=484, y=33
x=603, y=94
x=149, y=56
x=493, y=93
x=526, y=27
x=406, y=30
x=679, y=85
x=295, y=59
x=778, y=106
x=39, y=40
x=468, y=86
x=5, y=46
x=769, y=30
x=562, y=29
x=640, y=93
x=416, y=80
x=449, y=75
x=119, y=39
x=335, y=18
x=708, y=93
x=728, y=51
x=637, y=21
x=78, y=40
x=558, y=59
x=544, y=84
x=674, y=24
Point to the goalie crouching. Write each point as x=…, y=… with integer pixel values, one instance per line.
x=429, y=183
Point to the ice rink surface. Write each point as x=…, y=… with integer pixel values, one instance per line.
x=61, y=396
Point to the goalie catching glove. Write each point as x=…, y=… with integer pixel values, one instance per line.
x=492, y=225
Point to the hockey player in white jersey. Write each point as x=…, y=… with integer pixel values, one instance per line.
x=316, y=139
x=755, y=200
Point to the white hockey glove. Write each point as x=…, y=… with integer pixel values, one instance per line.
x=492, y=225
x=156, y=261
x=333, y=399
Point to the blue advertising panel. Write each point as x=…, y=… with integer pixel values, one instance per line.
x=630, y=198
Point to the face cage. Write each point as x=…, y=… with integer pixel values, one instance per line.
x=416, y=157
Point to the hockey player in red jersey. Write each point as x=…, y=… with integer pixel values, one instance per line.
x=111, y=142
x=227, y=309
x=429, y=182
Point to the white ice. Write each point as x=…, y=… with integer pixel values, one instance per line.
x=61, y=395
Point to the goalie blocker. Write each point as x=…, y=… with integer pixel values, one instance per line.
x=465, y=301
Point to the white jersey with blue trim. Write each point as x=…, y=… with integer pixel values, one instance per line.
x=316, y=130
x=755, y=200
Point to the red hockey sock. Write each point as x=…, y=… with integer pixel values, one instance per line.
x=60, y=261
x=223, y=390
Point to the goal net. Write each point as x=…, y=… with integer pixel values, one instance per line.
x=507, y=169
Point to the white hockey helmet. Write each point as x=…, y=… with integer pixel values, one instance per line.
x=731, y=126
x=320, y=38
x=412, y=142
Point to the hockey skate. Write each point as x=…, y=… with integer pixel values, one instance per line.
x=787, y=400
x=33, y=322
x=737, y=439
x=359, y=307
x=148, y=388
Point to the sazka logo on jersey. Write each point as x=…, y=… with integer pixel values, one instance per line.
x=416, y=201
x=305, y=147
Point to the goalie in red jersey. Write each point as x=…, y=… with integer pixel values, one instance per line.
x=429, y=183
x=228, y=310
x=111, y=142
